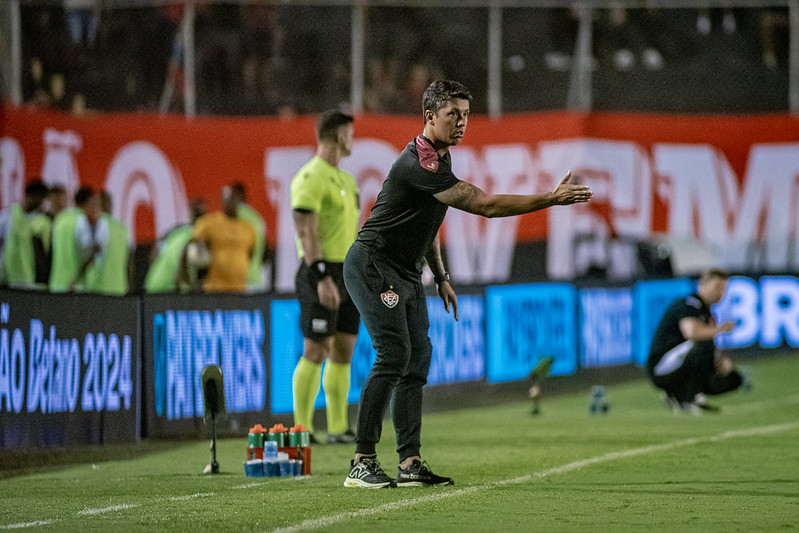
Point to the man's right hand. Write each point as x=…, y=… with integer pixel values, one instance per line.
x=566, y=193
x=328, y=293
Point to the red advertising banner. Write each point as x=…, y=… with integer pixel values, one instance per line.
x=729, y=182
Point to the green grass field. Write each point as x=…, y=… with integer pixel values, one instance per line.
x=640, y=467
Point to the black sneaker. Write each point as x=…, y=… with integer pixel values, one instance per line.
x=420, y=475
x=348, y=437
x=367, y=474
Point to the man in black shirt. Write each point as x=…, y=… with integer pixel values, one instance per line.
x=683, y=360
x=383, y=272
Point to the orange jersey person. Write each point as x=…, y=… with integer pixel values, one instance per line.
x=230, y=242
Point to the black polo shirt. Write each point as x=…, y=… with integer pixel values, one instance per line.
x=668, y=334
x=406, y=216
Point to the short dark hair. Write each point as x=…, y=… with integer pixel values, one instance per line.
x=440, y=92
x=329, y=122
x=83, y=195
x=714, y=273
x=240, y=190
x=37, y=188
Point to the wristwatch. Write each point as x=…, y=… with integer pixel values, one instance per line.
x=319, y=269
x=443, y=277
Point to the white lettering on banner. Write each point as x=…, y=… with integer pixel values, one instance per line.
x=620, y=178
x=12, y=171
x=740, y=305
x=60, y=167
x=750, y=230
x=767, y=312
x=752, y=226
x=53, y=380
x=771, y=194
x=481, y=249
x=141, y=173
x=780, y=304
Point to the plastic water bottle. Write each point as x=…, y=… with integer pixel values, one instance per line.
x=599, y=404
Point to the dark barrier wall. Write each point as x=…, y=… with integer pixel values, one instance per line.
x=69, y=369
x=182, y=334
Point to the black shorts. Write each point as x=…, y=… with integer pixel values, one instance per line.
x=317, y=322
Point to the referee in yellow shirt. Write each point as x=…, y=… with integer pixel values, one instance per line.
x=324, y=200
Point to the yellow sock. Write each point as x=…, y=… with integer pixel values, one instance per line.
x=336, y=382
x=306, y=387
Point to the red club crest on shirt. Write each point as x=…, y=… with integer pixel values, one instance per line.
x=390, y=298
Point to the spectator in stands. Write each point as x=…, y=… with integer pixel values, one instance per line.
x=164, y=274
x=83, y=21
x=74, y=242
x=255, y=273
x=109, y=270
x=230, y=242
x=774, y=35
x=20, y=231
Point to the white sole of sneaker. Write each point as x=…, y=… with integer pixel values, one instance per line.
x=357, y=483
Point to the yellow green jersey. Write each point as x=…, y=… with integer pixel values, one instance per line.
x=333, y=194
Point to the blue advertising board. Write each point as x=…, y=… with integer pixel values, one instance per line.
x=606, y=333
x=525, y=323
x=458, y=353
x=651, y=299
x=766, y=312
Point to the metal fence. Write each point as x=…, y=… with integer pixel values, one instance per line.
x=249, y=57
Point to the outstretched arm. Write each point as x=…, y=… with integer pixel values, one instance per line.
x=472, y=199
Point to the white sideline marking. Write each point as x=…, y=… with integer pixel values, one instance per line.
x=191, y=496
x=27, y=524
x=246, y=486
x=326, y=521
x=120, y=507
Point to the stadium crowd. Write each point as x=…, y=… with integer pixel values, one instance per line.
x=269, y=59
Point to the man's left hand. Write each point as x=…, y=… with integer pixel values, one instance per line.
x=447, y=294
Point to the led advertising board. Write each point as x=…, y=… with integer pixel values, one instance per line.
x=458, y=353
x=182, y=335
x=525, y=323
x=651, y=299
x=606, y=333
x=69, y=371
x=766, y=312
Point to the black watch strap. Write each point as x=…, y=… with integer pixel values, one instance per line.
x=441, y=277
x=319, y=269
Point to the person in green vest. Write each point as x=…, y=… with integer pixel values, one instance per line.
x=255, y=273
x=74, y=243
x=108, y=273
x=163, y=274
x=19, y=230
